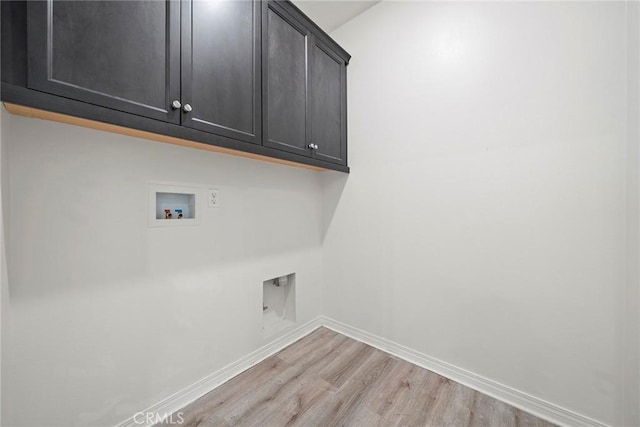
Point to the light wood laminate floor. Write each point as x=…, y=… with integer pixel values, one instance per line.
x=328, y=379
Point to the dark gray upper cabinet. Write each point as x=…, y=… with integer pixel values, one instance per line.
x=304, y=81
x=221, y=68
x=328, y=114
x=123, y=55
x=285, y=44
x=255, y=77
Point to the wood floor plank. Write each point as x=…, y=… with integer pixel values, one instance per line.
x=254, y=401
x=312, y=342
x=348, y=361
x=200, y=410
x=397, y=388
x=259, y=399
x=524, y=419
x=486, y=412
x=330, y=410
x=327, y=379
x=414, y=409
x=346, y=403
x=288, y=409
x=458, y=406
x=440, y=397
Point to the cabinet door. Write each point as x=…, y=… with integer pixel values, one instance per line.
x=285, y=46
x=328, y=101
x=123, y=55
x=221, y=67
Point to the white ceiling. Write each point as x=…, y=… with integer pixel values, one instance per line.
x=330, y=14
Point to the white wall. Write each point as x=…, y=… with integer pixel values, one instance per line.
x=632, y=314
x=4, y=283
x=483, y=222
x=109, y=316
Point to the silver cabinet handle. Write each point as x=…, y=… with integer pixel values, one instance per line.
x=311, y=146
x=315, y=146
x=176, y=104
x=187, y=108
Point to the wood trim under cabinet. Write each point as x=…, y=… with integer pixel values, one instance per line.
x=76, y=121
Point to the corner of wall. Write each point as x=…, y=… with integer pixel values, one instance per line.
x=333, y=184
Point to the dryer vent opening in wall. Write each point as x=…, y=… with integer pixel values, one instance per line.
x=278, y=304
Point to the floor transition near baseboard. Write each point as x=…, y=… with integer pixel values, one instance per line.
x=486, y=387
x=329, y=379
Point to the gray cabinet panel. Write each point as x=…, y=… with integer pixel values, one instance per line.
x=304, y=80
x=221, y=67
x=285, y=47
x=328, y=102
x=118, y=54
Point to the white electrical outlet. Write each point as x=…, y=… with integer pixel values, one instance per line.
x=214, y=198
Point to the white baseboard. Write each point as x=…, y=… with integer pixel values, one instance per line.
x=189, y=394
x=536, y=406
x=521, y=400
